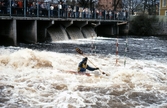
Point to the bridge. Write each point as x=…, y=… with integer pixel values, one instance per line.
x=32, y=28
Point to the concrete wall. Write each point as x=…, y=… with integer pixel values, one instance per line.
x=33, y=30
x=123, y=29
x=27, y=31
x=42, y=27
x=8, y=32
x=106, y=30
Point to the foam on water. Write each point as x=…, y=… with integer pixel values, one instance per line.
x=31, y=78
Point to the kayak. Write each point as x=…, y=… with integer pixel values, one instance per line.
x=78, y=73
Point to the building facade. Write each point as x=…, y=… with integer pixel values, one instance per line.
x=109, y=4
x=163, y=8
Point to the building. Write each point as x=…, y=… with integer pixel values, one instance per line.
x=163, y=8
x=109, y=4
x=105, y=4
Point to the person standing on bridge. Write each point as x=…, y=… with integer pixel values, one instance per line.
x=60, y=10
x=51, y=10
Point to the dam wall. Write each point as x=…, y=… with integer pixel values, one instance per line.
x=14, y=30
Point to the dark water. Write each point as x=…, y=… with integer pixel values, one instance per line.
x=147, y=48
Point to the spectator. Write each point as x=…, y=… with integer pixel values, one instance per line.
x=110, y=14
x=77, y=11
x=60, y=9
x=55, y=10
x=51, y=10
x=69, y=11
x=0, y=6
x=20, y=7
x=4, y=5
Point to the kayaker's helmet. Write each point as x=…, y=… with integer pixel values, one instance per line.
x=85, y=59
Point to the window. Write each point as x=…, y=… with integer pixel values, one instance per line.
x=164, y=3
x=165, y=13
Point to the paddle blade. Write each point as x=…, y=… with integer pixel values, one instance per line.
x=79, y=50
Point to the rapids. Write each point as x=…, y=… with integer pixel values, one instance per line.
x=33, y=77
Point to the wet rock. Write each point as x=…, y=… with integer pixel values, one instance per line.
x=1, y=87
x=59, y=86
x=1, y=105
x=13, y=105
x=71, y=106
x=3, y=100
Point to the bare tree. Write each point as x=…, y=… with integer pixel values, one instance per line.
x=149, y=6
x=117, y=4
x=140, y=5
x=87, y=3
x=131, y=5
x=71, y=2
x=84, y=3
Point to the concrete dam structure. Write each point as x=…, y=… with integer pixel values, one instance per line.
x=14, y=30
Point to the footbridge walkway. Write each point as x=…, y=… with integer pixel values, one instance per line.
x=19, y=25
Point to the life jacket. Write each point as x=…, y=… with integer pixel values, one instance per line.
x=84, y=65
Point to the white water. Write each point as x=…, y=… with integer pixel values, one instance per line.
x=37, y=79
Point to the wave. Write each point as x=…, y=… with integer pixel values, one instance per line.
x=31, y=78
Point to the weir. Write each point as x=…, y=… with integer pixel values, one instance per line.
x=42, y=29
x=14, y=30
x=74, y=32
x=88, y=31
x=57, y=32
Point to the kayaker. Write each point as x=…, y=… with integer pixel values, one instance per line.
x=83, y=66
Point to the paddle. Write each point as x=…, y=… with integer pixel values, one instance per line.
x=81, y=52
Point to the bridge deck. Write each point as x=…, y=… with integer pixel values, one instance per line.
x=57, y=19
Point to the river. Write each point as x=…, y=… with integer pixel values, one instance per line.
x=35, y=75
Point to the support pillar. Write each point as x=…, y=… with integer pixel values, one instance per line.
x=8, y=32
